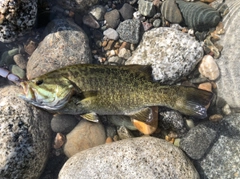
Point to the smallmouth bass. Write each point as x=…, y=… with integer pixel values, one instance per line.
x=88, y=90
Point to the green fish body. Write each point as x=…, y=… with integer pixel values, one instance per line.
x=88, y=89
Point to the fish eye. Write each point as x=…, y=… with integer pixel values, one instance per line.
x=39, y=82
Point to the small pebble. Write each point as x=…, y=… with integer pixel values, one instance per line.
x=124, y=133
x=109, y=140
x=146, y=8
x=110, y=33
x=16, y=70
x=206, y=86
x=124, y=53
x=110, y=45
x=157, y=22
x=98, y=12
x=147, y=26
x=137, y=15
x=208, y=68
x=112, y=18
x=190, y=123
x=226, y=109
x=20, y=61
x=59, y=141
x=126, y=11
x=171, y=11
x=216, y=117
x=30, y=47
x=116, y=60
x=90, y=21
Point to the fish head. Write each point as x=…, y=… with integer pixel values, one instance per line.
x=51, y=93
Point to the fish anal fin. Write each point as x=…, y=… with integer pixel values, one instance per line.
x=90, y=117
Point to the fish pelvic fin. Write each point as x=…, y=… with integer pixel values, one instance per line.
x=193, y=102
x=90, y=117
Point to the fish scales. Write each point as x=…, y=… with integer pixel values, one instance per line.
x=110, y=90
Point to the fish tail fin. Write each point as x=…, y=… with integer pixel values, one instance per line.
x=192, y=101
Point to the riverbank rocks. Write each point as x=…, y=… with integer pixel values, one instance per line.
x=222, y=159
x=129, y=30
x=146, y=8
x=172, y=53
x=171, y=12
x=228, y=83
x=65, y=44
x=77, y=5
x=85, y=135
x=198, y=16
x=25, y=136
x=144, y=157
x=16, y=18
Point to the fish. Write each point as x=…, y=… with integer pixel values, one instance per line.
x=90, y=90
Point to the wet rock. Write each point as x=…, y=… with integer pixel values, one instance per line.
x=172, y=121
x=90, y=21
x=208, y=68
x=59, y=141
x=30, y=47
x=172, y=53
x=121, y=121
x=65, y=44
x=198, y=15
x=146, y=8
x=77, y=5
x=110, y=33
x=199, y=139
x=25, y=136
x=229, y=84
x=16, y=18
x=157, y=22
x=18, y=71
x=222, y=160
x=20, y=61
x=63, y=123
x=124, y=53
x=85, y=135
x=124, y=133
x=7, y=57
x=144, y=157
x=129, y=31
x=171, y=12
x=126, y=11
x=112, y=18
x=98, y=12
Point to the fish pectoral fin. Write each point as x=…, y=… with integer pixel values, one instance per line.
x=90, y=117
x=144, y=114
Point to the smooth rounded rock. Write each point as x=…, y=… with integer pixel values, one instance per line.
x=90, y=21
x=62, y=123
x=25, y=136
x=111, y=33
x=146, y=8
x=209, y=68
x=85, y=135
x=112, y=18
x=98, y=12
x=144, y=157
x=65, y=44
x=228, y=84
x=126, y=11
x=20, y=61
x=172, y=53
x=171, y=12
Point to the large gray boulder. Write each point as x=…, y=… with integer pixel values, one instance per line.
x=144, y=157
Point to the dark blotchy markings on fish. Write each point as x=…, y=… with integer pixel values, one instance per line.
x=111, y=90
x=198, y=15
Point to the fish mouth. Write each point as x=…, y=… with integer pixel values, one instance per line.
x=28, y=93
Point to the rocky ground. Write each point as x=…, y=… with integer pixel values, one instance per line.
x=186, y=43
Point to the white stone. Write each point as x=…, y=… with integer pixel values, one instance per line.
x=209, y=68
x=110, y=33
x=172, y=53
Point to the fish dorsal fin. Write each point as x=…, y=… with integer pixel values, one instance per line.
x=90, y=117
x=142, y=70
